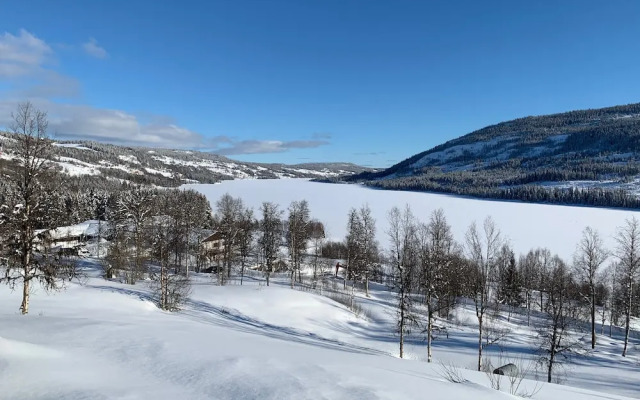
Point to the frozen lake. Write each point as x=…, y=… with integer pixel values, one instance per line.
x=526, y=226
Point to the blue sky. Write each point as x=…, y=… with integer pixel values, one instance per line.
x=371, y=82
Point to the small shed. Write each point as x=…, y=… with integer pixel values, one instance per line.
x=507, y=369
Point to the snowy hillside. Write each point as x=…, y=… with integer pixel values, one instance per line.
x=106, y=340
x=164, y=167
x=578, y=157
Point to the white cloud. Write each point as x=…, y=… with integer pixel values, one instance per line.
x=68, y=121
x=268, y=146
x=81, y=122
x=22, y=54
x=26, y=68
x=93, y=49
x=24, y=71
x=116, y=126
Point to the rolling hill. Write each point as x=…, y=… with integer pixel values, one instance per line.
x=585, y=157
x=169, y=168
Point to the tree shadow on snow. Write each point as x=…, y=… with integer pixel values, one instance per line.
x=235, y=320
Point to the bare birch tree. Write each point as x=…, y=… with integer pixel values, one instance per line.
x=482, y=251
x=628, y=252
x=298, y=236
x=228, y=213
x=589, y=256
x=556, y=335
x=404, y=256
x=25, y=211
x=436, y=256
x=270, y=227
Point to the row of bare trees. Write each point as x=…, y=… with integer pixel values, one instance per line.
x=431, y=271
x=260, y=241
x=157, y=234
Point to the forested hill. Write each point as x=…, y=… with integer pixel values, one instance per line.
x=587, y=157
x=92, y=161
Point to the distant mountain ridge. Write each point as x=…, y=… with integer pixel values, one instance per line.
x=165, y=167
x=567, y=155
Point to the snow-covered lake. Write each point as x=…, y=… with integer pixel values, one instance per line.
x=527, y=226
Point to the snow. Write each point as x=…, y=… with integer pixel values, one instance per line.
x=106, y=164
x=487, y=151
x=108, y=340
x=558, y=139
x=158, y=172
x=444, y=156
x=224, y=168
x=73, y=146
x=129, y=158
x=526, y=225
x=87, y=228
x=74, y=167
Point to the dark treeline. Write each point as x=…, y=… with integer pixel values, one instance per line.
x=596, y=197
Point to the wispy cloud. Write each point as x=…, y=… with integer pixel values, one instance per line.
x=94, y=50
x=27, y=68
x=81, y=122
x=22, y=55
x=321, y=136
x=268, y=146
x=372, y=153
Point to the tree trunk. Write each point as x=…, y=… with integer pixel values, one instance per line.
x=528, y=309
x=241, y=271
x=552, y=350
x=24, y=308
x=604, y=320
x=593, y=319
x=480, y=318
x=366, y=286
x=402, y=330
x=429, y=332
x=346, y=276
x=627, y=322
x=163, y=286
x=611, y=320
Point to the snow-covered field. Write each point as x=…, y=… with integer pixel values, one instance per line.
x=527, y=226
x=107, y=340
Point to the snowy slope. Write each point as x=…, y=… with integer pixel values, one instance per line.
x=600, y=147
x=163, y=167
x=106, y=340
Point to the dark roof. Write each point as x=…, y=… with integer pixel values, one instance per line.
x=212, y=237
